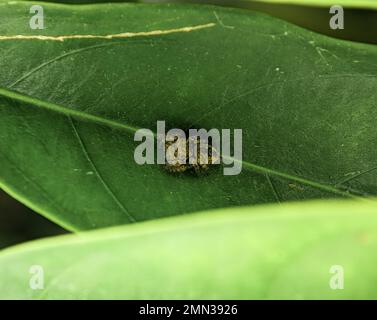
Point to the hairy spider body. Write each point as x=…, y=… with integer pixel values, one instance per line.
x=198, y=155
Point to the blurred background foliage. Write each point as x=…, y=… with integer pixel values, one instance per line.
x=19, y=224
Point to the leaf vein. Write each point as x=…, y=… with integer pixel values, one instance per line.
x=98, y=174
x=122, y=35
x=117, y=125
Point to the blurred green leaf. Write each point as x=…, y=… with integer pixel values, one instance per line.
x=272, y=252
x=326, y=3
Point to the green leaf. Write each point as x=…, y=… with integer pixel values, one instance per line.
x=69, y=109
x=370, y=4
x=271, y=252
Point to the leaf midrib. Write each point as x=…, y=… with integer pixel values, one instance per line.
x=23, y=98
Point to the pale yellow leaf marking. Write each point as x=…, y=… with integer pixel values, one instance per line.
x=108, y=36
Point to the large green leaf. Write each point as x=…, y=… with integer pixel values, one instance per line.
x=273, y=252
x=68, y=110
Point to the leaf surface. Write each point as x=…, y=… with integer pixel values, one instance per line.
x=69, y=109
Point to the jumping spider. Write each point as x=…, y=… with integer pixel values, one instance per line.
x=199, y=161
